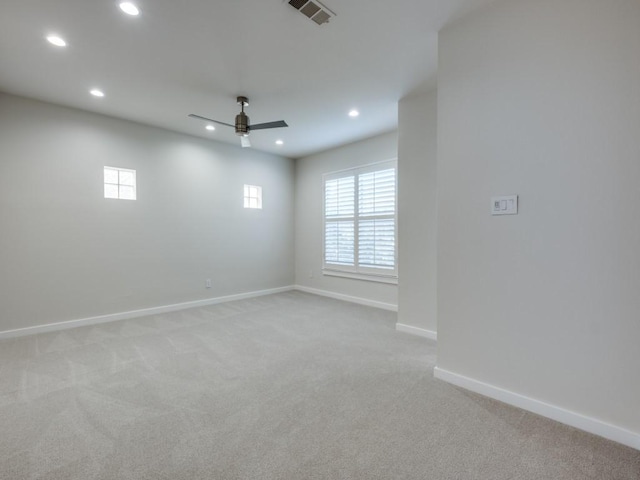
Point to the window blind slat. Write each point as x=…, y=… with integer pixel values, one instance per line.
x=339, y=197
x=377, y=192
x=377, y=243
x=339, y=242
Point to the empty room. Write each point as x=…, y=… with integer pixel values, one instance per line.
x=301, y=239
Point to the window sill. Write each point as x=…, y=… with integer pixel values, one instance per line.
x=362, y=276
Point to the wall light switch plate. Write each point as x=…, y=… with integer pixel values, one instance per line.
x=504, y=205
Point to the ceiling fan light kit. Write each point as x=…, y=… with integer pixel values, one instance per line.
x=242, y=125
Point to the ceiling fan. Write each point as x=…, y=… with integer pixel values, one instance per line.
x=242, y=126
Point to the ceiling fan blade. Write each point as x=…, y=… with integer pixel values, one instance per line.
x=245, y=142
x=262, y=126
x=211, y=120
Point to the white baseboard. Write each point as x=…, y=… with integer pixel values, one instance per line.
x=112, y=317
x=348, y=298
x=573, y=419
x=421, y=332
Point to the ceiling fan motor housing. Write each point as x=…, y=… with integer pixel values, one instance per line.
x=242, y=124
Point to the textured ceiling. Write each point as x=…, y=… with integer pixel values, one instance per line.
x=196, y=56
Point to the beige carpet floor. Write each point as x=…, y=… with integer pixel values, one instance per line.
x=288, y=386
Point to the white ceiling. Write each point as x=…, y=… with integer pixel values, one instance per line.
x=195, y=56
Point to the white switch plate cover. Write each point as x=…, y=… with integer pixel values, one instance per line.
x=504, y=205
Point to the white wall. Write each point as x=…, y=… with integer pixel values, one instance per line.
x=417, y=211
x=308, y=215
x=68, y=253
x=541, y=98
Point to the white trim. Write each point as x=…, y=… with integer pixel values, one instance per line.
x=421, y=332
x=573, y=419
x=367, y=277
x=348, y=298
x=112, y=317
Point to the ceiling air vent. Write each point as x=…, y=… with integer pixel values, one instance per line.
x=313, y=9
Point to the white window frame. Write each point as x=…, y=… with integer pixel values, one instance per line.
x=119, y=184
x=355, y=271
x=248, y=197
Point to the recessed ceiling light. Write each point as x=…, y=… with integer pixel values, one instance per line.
x=56, y=40
x=129, y=8
x=279, y=142
x=96, y=93
x=354, y=113
x=211, y=128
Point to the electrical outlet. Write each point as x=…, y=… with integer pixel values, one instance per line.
x=310, y=273
x=207, y=283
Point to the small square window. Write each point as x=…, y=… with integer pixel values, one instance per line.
x=252, y=196
x=119, y=183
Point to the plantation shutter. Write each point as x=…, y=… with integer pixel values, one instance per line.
x=360, y=220
x=377, y=222
x=339, y=198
